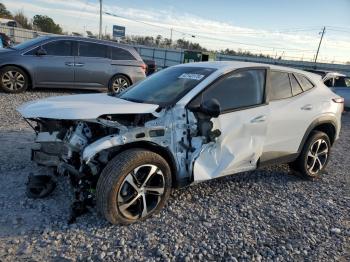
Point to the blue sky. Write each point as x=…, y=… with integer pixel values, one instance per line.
x=276, y=27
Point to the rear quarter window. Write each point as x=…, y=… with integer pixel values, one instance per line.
x=121, y=54
x=304, y=82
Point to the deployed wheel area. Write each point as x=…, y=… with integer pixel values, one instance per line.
x=133, y=186
x=314, y=156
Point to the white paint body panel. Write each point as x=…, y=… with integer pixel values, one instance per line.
x=289, y=122
x=90, y=106
x=239, y=146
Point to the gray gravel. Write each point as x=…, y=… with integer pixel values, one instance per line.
x=264, y=215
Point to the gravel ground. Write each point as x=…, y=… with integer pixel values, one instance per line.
x=267, y=214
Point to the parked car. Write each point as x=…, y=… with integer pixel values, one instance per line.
x=69, y=62
x=338, y=83
x=185, y=124
x=151, y=66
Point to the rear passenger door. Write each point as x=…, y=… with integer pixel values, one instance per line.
x=292, y=109
x=92, y=65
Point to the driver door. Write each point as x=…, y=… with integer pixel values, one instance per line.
x=55, y=67
x=242, y=123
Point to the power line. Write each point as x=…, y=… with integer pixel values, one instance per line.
x=207, y=37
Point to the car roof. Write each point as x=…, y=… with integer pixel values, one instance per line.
x=227, y=66
x=92, y=40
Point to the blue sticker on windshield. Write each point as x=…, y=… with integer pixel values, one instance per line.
x=191, y=76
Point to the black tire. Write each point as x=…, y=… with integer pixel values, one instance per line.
x=118, y=83
x=307, y=164
x=13, y=79
x=113, y=182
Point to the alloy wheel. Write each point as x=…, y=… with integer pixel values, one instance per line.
x=141, y=191
x=317, y=156
x=119, y=84
x=13, y=80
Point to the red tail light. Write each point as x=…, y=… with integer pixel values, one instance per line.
x=144, y=68
x=339, y=100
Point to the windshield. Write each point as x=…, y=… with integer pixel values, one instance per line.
x=29, y=43
x=167, y=86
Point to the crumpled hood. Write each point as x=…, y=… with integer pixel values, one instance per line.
x=74, y=107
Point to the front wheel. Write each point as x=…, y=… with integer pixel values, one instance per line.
x=314, y=157
x=13, y=79
x=134, y=185
x=118, y=84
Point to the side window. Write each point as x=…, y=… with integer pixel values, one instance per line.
x=329, y=82
x=121, y=54
x=92, y=50
x=280, y=85
x=304, y=82
x=347, y=82
x=296, y=88
x=241, y=89
x=340, y=82
x=58, y=48
x=33, y=51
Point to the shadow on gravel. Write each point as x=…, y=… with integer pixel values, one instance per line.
x=61, y=90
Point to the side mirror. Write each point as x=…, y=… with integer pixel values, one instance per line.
x=210, y=107
x=41, y=52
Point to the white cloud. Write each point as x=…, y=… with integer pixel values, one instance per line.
x=74, y=15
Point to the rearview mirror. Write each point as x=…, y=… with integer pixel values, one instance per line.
x=41, y=52
x=210, y=107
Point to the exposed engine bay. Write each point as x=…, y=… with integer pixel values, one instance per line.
x=81, y=149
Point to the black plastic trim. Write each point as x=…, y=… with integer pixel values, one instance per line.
x=319, y=121
x=283, y=158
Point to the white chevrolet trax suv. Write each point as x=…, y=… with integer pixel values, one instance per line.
x=184, y=124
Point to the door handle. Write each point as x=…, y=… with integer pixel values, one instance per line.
x=258, y=119
x=79, y=64
x=69, y=64
x=307, y=107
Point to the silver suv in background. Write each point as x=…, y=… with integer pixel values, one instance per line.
x=69, y=62
x=338, y=83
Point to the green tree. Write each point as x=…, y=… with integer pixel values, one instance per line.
x=22, y=20
x=46, y=24
x=4, y=13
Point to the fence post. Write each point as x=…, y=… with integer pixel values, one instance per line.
x=166, y=50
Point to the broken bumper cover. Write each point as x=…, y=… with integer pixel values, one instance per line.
x=44, y=159
x=47, y=154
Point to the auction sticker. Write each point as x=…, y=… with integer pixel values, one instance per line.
x=191, y=76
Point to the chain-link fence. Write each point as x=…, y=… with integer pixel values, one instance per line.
x=19, y=35
x=165, y=57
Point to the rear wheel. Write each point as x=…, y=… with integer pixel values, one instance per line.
x=314, y=156
x=13, y=79
x=118, y=84
x=133, y=186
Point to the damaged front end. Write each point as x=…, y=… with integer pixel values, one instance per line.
x=81, y=149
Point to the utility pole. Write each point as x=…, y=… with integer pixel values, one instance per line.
x=171, y=36
x=100, y=30
x=319, y=45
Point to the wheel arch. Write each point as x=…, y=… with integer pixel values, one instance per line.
x=324, y=124
x=30, y=83
x=163, y=152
